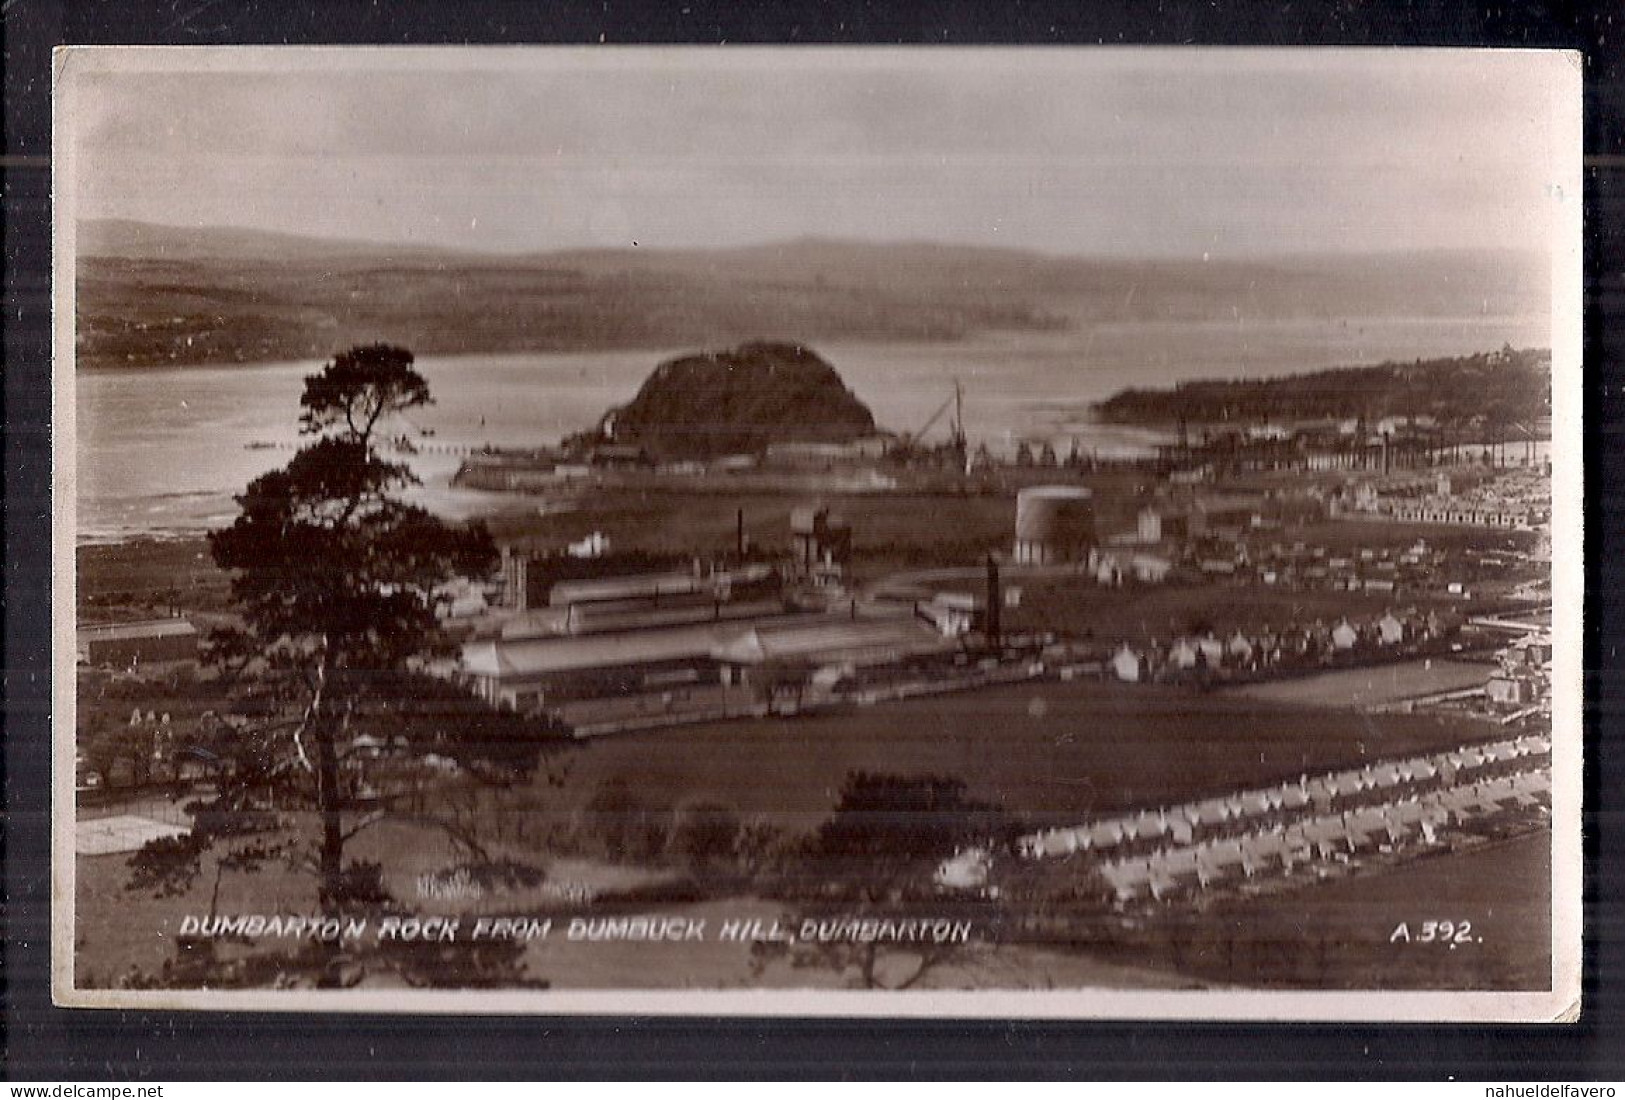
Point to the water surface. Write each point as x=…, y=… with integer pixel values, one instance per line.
x=163, y=450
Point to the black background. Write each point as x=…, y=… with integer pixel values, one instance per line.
x=47, y=1044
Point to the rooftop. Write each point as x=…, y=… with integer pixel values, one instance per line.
x=146, y=628
x=776, y=637
x=856, y=640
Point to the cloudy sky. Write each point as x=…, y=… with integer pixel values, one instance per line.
x=1118, y=152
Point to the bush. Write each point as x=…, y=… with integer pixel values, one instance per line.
x=627, y=828
x=705, y=837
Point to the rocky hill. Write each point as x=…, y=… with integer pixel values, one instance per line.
x=729, y=402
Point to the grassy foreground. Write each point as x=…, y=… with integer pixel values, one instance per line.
x=1045, y=750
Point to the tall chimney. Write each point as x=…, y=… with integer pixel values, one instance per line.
x=994, y=602
x=739, y=539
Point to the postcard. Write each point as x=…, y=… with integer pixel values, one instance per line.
x=976, y=532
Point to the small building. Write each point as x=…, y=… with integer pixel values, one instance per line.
x=1512, y=688
x=1150, y=568
x=1127, y=665
x=122, y=645
x=952, y=613
x=1390, y=631
x=1225, y=512
x=820, y=541
x=1183, y=654
x=1108, y=571
x=1534, y=651
x=1344, y=636
x=803, y=454
x=1293, y=508
x=620, y=456
x=1212, y=650
x=965, y=870
x=1054, y=524
x=594, y=545
x=463, y=601
x=1160, y=522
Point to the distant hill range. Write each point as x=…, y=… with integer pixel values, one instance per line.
x=151, y=295
x=730, y=402
x=1505, y=387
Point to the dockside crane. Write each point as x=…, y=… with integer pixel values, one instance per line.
x=909, y=444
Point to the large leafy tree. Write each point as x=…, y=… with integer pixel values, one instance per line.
x=337, y=581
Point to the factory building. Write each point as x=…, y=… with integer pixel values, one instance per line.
x=831, y=642
x=527, y=673
x=649, y=600
x=529, y=574
x=551, y=670
x=1054, y=524
x=1115, y=567
x=813, y=456
x=820, y=544
x=121, y=645
x=636, y=586
x=1210, y=514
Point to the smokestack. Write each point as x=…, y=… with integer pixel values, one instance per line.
x=739, y=540
x=994, y=602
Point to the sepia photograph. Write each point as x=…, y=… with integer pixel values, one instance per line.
x=974, y=532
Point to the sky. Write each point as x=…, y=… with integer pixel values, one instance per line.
x=1069, y=151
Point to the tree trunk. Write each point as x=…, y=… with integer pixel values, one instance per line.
x=329, y=804
x=332, y=851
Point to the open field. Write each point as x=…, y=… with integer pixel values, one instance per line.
x=148, y=577
x=1049, y=751
x=1369, y=686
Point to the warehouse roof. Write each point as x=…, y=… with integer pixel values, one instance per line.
x=574, y=652
x=800, y=636
x=857, y=641
x=622, y=587
x=146, y=628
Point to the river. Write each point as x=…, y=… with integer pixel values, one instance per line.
x=161, y=451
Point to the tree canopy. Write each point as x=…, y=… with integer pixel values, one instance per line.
x=875, y=857
x=324, y=556
x=1504, y=387
x=334, y=709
